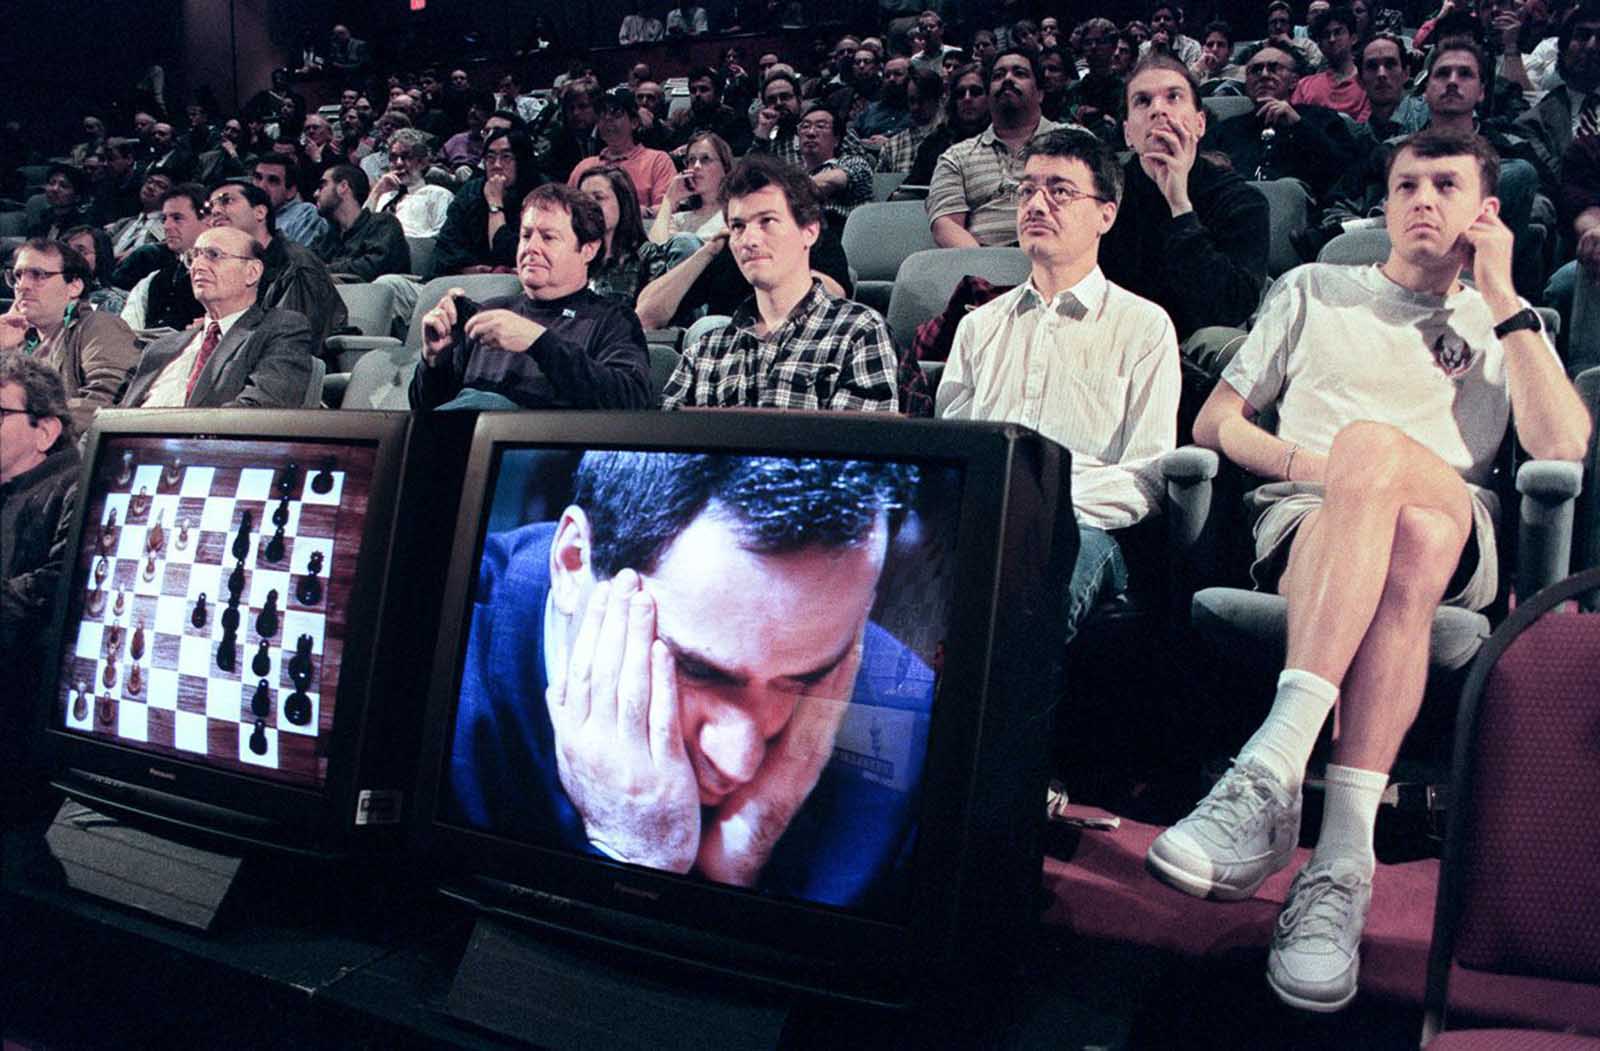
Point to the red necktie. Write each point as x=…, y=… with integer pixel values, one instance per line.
x=207, y=346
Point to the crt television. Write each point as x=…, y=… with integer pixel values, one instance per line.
x=233, y=649
x=766, y=694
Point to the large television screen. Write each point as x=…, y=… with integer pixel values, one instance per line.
x=210, y=599
x=717, y=665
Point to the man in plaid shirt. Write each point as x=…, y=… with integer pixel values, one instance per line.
x=792, y=345
x=925, y=98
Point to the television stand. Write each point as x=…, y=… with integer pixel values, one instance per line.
x=110, y=859
x=540, y=990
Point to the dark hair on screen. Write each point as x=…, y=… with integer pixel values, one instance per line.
x=1433, y=143
x=44, y=392
x=1079, y=145
x=638, y=503
x=757, y=171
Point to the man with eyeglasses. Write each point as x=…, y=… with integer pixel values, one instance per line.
x=38, y=481
x=778, y=117
x=971, y=200
x=842, y=183
x=1337, y=86
x=52, y=321
x=1077, y=358
x=65, y=204
x=365, y=244
x=294, y=278
x=966, y=115
x=1307, y=142
x=404, y=193
x=242, y=354
x=164, y=298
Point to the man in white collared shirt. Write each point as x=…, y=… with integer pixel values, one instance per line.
x=240, y=355
x=404, y=193
x=1079, y=359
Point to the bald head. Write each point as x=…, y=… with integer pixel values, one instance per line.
x=224, y=270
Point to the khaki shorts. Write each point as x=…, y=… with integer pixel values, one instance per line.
x=1276, y=510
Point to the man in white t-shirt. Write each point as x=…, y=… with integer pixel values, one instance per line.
x=1079, y=359
x=1393, y=385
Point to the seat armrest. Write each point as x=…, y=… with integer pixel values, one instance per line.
x=333, y=388
x=345, y=351
x=1549, y=491
x=1193, y=550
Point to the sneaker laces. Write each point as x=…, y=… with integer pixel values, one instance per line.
x=1320, y=906
x=1235, y=802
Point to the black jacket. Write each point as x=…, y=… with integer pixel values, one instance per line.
x=1317, y=150
x=1207, y=267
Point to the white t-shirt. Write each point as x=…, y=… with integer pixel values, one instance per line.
x=1337, y=344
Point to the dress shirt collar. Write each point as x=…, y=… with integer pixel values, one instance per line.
x=225, y=323
x=748, y=316
x=1089, y=294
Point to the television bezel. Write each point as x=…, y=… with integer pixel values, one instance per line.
x=185, y=795
x=823, y=949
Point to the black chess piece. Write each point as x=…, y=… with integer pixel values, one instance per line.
x=287, y=478
x=297, y=708
x=126, y=475
x=136, y=644
x=261, y=700
x=227, y=651
x=113, y=641
x=262, y=663
x=108, y=532
x=105, y=711
x=101, y=568
x=120, y=603
x=198, y=618
x=96, y=602
x=172, y=473
x=241, y=541
x=322, y=484
x=274, y=550
x=236, y=581
x=258, y=739
x=230, y=618
x=80, y=703
x=156, y=538
x=310, y=590
x=135, y=679
x=300, y=663
x=280, y=517
x=267, y=622
x=108, y=678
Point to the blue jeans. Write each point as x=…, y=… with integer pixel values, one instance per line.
x=471, y=398
x=1099, y=573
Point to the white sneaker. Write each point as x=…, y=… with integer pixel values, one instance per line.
x=1316, y=946
x=1243, y=831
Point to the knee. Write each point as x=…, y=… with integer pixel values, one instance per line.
x=1427, y=546
x=1370, y=456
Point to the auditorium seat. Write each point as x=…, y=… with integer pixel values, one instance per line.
x=382, y=379
x=1288, y=213
x=1357, y=247
x=370, y=307
x=877, y=237
x=925, y=280
x=1516, y=887
x=422, y=250
x=313, y=398
x=885, y=183
x=1221, y=107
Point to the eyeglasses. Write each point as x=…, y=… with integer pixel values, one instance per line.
x=498, y=155
x=210, y=255
x=13, y=274
x=7, y=411
x=1058, y=193
x=971, y=91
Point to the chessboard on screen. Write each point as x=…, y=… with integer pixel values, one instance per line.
x=210, y=599
x=803, y=601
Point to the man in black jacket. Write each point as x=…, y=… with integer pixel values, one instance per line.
x=357, y=241
x=558, y=345
x=1190, y=236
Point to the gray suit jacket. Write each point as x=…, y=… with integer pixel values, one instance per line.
x=264, y=362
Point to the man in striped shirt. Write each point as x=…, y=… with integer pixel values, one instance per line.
x=1079, y=359
x=792, y=345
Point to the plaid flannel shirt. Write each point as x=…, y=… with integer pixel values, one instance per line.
x=900, y=152
x=829, y=353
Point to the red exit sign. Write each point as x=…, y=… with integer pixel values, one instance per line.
x=419, y=5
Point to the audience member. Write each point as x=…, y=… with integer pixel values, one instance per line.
x=51, y=320
x=638, y=28
x=1403, y=380
x=1166, y=34
x=842, y=182
x=971, y=199
x=1216, y=55
x=403, y=192
x=164, y=298
x=695, y=197
x=1552, y=123
x=793, y=345
x=136, y=231
x=930, y=56
x=478, y=236
x=1056, y=75
x=574, y=139
x=707, y=113
x=1337, y=87
x=889, y=112
x=347, y=56
x=778, y=117
x=687, y=19
x=966, y=115
x=616, y=273
x=1395, y=111
x=296, y=219
x=465, y=148
x=224, y=162
x=66, y=203
x=924, y=103
x=117, y=194
x=555, y=345
x=1077, y=358
x=294, y=278
x=94, y=244
x=1190, y=235
x=357, y=241
x=616, y=125
x=242, y=354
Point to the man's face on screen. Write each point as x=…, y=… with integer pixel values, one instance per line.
x=753, y=635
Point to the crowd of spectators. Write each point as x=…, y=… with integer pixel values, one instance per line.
x=1101, y=150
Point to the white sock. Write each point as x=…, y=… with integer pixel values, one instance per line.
x=1283, y=743
x=1349, y=813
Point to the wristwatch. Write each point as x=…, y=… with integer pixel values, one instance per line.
x=495, y=209
x=1526, y=318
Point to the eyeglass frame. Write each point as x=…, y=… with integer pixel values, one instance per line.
x=1024, y=192
x=32, y=273
x=212, y=255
